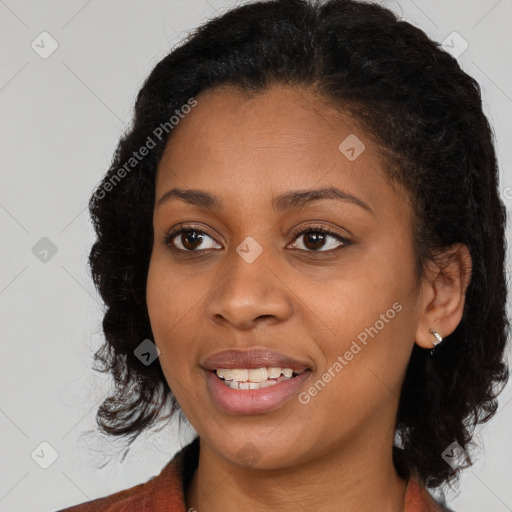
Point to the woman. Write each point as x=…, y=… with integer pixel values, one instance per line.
x=301, y=247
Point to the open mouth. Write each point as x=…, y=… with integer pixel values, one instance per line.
x=255, y=378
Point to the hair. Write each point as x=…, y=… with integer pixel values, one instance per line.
x=425, y=114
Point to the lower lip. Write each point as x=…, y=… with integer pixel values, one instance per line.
x=253, y=401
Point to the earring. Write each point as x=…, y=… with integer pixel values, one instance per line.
x=438, y=339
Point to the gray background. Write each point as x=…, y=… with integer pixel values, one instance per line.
x=61, y=118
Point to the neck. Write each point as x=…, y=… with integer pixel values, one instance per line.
x=356, y=477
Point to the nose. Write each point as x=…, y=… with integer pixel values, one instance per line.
x=251, y=293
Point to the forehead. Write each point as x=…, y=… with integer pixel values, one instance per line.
x=242, y=144
x=279, y=117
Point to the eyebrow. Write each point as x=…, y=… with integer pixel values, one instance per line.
x=296, y=199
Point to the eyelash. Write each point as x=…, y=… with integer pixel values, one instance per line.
x=181, y=228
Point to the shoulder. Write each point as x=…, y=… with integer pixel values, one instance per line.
x=419, y=499
x=163, y=492
x=128, y=499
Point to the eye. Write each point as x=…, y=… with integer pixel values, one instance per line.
x=315, y=239
x=191, y=238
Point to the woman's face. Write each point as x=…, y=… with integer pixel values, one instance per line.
x=243, y=278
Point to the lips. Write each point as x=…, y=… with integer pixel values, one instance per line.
x=253, y=401
x=254, y=358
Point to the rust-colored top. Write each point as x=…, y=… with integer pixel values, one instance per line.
x=165, y=492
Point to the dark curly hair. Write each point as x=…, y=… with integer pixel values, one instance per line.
x=426, y=116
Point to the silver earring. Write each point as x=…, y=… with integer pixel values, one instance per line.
x=438, y=339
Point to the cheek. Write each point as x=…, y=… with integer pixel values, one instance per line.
x=363, y=368
x=371, y=317
x=173, y=302
x=157, y=298
x=172, y=306
x=169, y=294
x=163, y=311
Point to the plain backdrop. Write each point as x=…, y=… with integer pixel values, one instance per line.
x=61, y=116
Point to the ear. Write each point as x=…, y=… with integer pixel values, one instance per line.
x=443, y=294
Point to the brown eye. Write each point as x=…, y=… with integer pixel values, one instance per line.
x=187, y=240
x=316, y=239
x=190, y=240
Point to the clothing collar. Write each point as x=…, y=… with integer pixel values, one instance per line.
x=177, y=474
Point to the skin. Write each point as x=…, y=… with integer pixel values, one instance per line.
x=335, y=452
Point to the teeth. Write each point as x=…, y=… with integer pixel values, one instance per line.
x=258, y=375
x=274, y=373
x=249, y=385
x=255, y=375
x=240, y=375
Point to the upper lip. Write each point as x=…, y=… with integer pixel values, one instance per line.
x=255, y=358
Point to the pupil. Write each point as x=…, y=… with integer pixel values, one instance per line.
x=318, y=239
x=191, y=235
